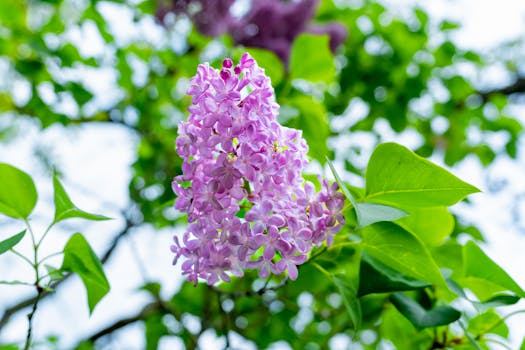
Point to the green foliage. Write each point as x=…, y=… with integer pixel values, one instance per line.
x=400, y=250
x=65, y=209
x=488, y=322
x=80, y=258
x=272, y=65
x=421, y=318
x=350, y=300
x=370, y=213
x=314, y=123
x=397, y=176
x=18, y=194
x=19, y=199
x=479, y=265
x=399, y=236
x=377, y=277
x=10, y=242
x=401, y=332
x=311, y=59
x=432, y=225
x=54, y=273
x=155, y=329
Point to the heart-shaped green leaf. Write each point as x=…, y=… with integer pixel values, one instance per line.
x=397, y=176
x=64, y=207
x=18, y=194
x=478, y=265
x=400, y=250
x=80, y=258
x=431, y=225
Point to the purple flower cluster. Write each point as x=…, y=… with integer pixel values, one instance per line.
x=268, y=24
x=248, y=205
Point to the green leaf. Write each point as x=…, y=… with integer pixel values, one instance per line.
x=488, y=322
x=478, y=264
x=395, y=247
x=349, y=295
x=155, y=330
x=312, y=120
x=65, y=209
x=367, y=213
x=54, y=273
x=16, y=283
x=482, y=288
x=431, y=225
x=400, y=331
x=397, y=176
x=376, y=277
x=492, y=302
x=422, y=318
x=449, y=256
x=370, y=213
x=345, y=190
x=153, y=288
x=80, y=258
x=448, y=25
x=500, y=300
x=18, y=194
x=9, y=347
x=311, y=58
x=9, y=243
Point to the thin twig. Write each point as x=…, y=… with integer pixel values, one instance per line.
x=17, y=283
x=49, y=256
x=40, y=291
x=14, y=309
x=157, y=306
x=20, y=255
x=517, y=87
x=145, y=312
x=500, y=321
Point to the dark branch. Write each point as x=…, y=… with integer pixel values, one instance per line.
x=518, y=87
x=158, y=306
x=32, y=314
x=148, y=310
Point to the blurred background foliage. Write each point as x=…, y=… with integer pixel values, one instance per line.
x=347, y=68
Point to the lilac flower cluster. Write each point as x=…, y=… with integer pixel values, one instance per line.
x=248, y=205
x=268, y=24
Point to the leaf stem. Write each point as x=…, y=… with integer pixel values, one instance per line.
x=500, y=321
x=39, y=289
x=495, y=341
x=49, y=257
x=30, y=229
x=20, y=255
x=44, y=235
x=470, y=338
x=17, y=283
x=322, y=269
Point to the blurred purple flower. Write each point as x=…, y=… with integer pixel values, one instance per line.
x=268, y=24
